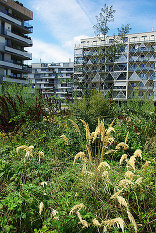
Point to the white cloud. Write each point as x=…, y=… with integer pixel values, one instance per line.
x=63, y=19
x=74, y=40
x=48, y=52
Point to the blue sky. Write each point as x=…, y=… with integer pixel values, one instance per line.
x=59, y=24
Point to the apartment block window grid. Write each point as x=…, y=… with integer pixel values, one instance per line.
x=132, y=71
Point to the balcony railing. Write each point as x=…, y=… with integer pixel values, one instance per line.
x=21, y=38
x=10, y=64
x=18, y=22
x=7, y=17
x=13, y=80
x=19, y=52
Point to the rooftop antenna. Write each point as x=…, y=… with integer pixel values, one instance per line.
x=152, y=29
x=40, y=60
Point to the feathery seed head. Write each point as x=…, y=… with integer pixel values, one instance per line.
x=103, y=165
x=114, y=196
x=109, y=130
x=41, y=206
x=118, y=221
x=54, y=212
x=105, y=174
x=109, y=152
x=122, y=201
x=129, y=175
x=83, y=222
x=138, y=153
x=131, y=162
x=123, y=157
x=145, y=166
x=65, y=139
x=76, y=126
x=96, y=222
x=139, y=181
x=20, y=147
x=79, y=155
x=43, y=183
x=132, y=220
x=78, y=206
x=123, y=145
x=124, y=183
x=41, y=153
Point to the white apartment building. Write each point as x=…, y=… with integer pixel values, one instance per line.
x=133, y=70
x=53, y=79
x=14, y=30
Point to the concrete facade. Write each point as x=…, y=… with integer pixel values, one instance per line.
x=14, y=30
x=53, y=79
x=133, y=70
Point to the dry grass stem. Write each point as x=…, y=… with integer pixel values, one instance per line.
x=126, y=139
x=65, y=139
x=89, y=153
x=76, y=126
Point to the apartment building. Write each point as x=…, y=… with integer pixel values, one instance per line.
x=132, y=71
x=14, y=37
x=53, y=79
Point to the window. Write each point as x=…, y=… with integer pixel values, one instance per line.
x=142, y=65
x=110, y=68
x=111, y=40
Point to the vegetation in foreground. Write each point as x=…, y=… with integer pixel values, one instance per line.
x=109, y=188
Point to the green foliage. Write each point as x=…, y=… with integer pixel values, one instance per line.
x=21, y=179
x=19, y=104
x=90, y=109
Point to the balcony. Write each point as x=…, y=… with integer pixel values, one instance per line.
x=26, y=69
x=7, y=17
x=26, y=26
x=13, y=80
x=19, y=52
x=10, y=64
x=42, y=82
x=23, y=39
